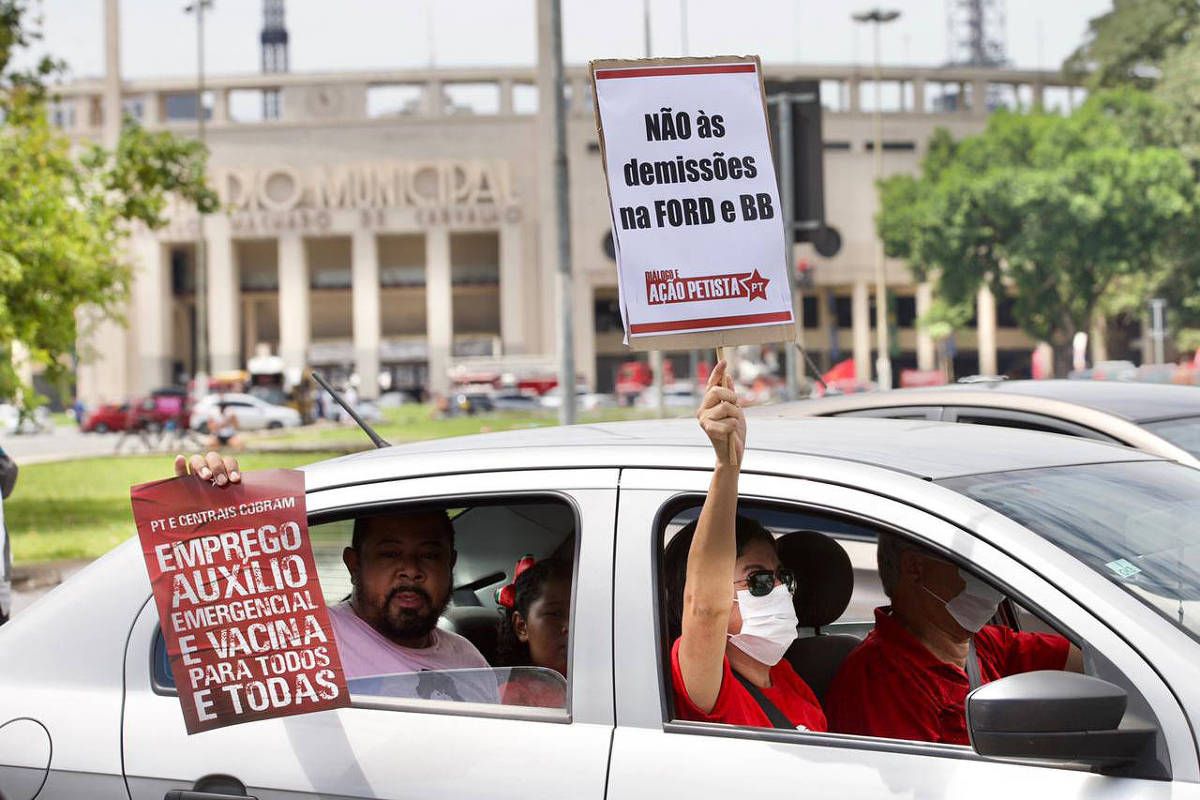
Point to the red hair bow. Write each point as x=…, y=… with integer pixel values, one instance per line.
x=507, y=595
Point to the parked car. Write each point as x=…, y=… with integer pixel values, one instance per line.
x=106, y=417
x=252, y=413
x=1090, y=540
x=680, y=394
x=1164, y=420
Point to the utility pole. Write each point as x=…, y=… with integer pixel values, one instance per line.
x=201, y=367
x=883, y=361
x=566, y=323
x=656, y=356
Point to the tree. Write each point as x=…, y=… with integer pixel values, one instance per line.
x=1052, y=211
x=1134, y=43
x=940, y=322
x=64, y=215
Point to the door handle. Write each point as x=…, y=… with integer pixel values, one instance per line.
x=187, y=794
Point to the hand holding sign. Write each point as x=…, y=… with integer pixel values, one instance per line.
x=722, y=418
x=239, y=601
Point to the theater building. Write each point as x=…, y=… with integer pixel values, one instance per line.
x=400, y=224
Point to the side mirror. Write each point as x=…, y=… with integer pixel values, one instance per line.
x=1056, y=716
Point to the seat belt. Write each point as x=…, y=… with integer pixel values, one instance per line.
x=974, y=679
x=776, y=717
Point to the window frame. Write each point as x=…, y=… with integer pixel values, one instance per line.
x=1056, y=424
x=327, y=508
x=820, y=497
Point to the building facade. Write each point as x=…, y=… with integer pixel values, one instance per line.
x=400, y=224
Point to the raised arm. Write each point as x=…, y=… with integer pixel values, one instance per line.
x=708, y=590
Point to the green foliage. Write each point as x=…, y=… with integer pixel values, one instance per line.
x=943, y=319
x=1056, y=211
x=64, y=216
x=1133, y=43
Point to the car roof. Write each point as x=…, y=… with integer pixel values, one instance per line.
x=1138, y=402
x=1135, y=402
x=930, y=450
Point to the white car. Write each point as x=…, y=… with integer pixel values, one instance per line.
x=253, y=413
x=1091, y=540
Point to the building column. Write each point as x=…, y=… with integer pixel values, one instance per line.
x=220, y=111
x=513, y=290
x=294, y=317
x=224, y=303
x=506, y=96
x=585, y=332
x=439, y=308
x=854, y=87
x=979, y=104
x=860, y=325
x=249, y=327
x=925, y=348
x=918, y=95
x=986, y=330
x=364, y=277
x=152, y=314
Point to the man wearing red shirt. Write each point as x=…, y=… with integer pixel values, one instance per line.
x=908, y=679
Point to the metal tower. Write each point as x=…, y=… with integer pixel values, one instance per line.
x=975, y=33
x=274, y=42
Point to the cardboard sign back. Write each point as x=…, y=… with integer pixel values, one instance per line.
x=705, y=331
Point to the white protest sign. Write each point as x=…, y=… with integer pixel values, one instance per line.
x=696, y=215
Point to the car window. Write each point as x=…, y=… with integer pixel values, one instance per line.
x=839, y=601
x=496, y=641
x=1182, y=432
x=1132, y=522
x=896, y=412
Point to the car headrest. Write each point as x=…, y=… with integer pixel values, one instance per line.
x=824, y=576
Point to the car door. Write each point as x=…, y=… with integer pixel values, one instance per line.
x=653, y=755
x=409, y=748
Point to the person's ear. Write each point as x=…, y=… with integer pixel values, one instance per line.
x=520, y=627
x=912, y=566
x=350, y=559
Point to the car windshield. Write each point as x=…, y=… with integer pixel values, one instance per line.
x=1133, y=522
x=1182, y=432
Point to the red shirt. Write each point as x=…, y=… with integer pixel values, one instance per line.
x=891, y=685
x=788, y=692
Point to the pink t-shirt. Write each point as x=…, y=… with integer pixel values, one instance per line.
x=365, y=652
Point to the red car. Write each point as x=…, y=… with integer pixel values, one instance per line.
x=108, y=417
x=151, y=412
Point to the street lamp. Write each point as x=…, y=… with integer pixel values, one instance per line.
x=883, y=363
x=201, y=366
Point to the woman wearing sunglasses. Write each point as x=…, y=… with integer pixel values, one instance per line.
x=729, y=601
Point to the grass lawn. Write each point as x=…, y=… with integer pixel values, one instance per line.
x=411, y=423
x=80, y=508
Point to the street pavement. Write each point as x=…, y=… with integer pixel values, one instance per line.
x=67, y=441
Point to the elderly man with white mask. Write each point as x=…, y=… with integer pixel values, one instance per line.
x=910, y=677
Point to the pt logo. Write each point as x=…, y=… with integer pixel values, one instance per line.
x=667, y=286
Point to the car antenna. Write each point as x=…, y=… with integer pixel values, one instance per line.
x=808, y=359
x=341, y=401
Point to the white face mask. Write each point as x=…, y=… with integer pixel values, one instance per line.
x=974, y=605
x=768, y=625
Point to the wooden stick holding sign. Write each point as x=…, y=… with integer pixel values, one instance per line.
x=695, y=206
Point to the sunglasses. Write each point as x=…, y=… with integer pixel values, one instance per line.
x=761, y=582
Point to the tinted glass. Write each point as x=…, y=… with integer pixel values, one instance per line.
x=1183, y=432
x=1132, y=522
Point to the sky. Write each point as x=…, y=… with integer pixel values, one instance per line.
x=158, y=38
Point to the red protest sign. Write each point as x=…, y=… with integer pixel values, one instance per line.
x=239, y=601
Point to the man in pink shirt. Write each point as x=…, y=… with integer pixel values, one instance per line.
x=400, y=566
